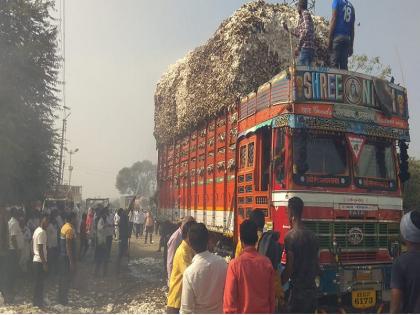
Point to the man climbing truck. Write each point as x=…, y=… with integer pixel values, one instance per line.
x=334, y=138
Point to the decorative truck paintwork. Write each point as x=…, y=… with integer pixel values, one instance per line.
x=325, y=135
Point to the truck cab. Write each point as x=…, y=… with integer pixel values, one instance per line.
x=337, y=140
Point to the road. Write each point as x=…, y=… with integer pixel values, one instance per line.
x=139, y=288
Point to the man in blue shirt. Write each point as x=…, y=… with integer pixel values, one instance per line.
x=341, y=33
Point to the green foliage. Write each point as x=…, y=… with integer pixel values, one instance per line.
x=371, y=66
x=139, y=178
x=412, y=187
x=28, y=78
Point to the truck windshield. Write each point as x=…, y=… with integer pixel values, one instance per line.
x=376, y=161
x=324, y=155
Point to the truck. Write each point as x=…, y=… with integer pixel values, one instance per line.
x=62, y=197
x=94, y=202
x=337, y=139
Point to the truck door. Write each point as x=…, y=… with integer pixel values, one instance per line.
x=279, y=183
x=245, y=178
x=262, y=174
x=253, y=180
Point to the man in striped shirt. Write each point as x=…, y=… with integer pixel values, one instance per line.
x=305, y=34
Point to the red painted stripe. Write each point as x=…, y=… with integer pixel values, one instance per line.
x=379, y=256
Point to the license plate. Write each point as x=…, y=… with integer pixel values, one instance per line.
x=363, y=298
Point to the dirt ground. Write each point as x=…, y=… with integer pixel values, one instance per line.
x=139, y=288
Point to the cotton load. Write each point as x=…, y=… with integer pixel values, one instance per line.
x=247, y=50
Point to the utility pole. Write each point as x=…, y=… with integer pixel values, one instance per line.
x=71, y=152
x=63, y=135
x=64, y=126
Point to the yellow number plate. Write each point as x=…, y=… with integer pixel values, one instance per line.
x=363, y=298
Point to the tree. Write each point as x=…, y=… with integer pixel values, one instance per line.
x=371, y=66
x=29, y=67
x=412, y=187
x=139, y=178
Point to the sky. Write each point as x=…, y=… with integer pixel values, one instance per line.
x=116, y=51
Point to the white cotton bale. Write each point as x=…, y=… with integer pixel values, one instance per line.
x=247, y=50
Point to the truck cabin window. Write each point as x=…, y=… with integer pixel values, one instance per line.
x=376, y=161
x=319, y=155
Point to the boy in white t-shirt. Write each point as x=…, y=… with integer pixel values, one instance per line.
x=39, y=241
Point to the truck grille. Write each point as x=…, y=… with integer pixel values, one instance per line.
x=348, y=257
x=375, y=235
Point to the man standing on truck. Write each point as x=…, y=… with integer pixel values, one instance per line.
x=305, y=32
x=341, y=36
x=405, y=276
x=302, y=264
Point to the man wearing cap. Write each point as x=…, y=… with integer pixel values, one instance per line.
x=405, y=277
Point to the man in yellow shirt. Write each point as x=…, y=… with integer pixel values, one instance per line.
x=67, y=258
x=182, y=259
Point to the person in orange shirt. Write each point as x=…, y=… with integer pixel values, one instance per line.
x=258, y=217
x=249, y=286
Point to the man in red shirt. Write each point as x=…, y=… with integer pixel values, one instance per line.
x=249, y=286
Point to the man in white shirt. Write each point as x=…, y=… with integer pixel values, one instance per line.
x=15, y=243
x=52, y=243
x=39, y=241
x=4, y=246
x=76, y=210
x=138, y=220
x=203, y=282
x=100, y=248
x=130, y=222
x=116, y=223
x=109, y=231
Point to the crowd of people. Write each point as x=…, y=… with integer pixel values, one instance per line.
x=50, y=243
x=202, y=282
x=254, y=280
x=34, y=244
